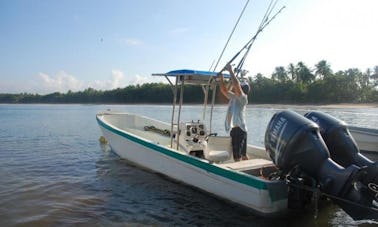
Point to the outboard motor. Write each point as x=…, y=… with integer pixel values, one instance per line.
x=343, y=148
x=294, y=142
x=341, y=145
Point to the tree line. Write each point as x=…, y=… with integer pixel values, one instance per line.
x=294, y=84
x=300, y=84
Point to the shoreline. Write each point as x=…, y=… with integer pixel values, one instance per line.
x=335, y=105
x=351, y=105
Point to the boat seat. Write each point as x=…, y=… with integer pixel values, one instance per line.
x=248, y=164
x=218, y=148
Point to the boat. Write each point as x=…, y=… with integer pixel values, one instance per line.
x=191, y=153
x=366, y=138
x=283, y=177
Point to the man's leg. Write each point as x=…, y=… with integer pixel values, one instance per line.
x=244, y=145
x=236, y=142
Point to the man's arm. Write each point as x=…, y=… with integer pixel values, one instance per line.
x=235, y=82
x=223, y=87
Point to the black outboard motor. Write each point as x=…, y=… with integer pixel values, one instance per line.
x=294, y=142
x=343, y=148
x=341, y=145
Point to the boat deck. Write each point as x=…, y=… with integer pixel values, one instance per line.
x=248, y=164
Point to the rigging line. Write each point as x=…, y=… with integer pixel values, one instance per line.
x=271, y=9
x=263, y=24
x=254, y=38
x=266, y=15
x=232, y=32
x=261, y=28
x=274, y=16
x=212, y=65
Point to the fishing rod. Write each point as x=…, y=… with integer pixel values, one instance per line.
x=232, y=32
x=241, y=63
x=265, y=22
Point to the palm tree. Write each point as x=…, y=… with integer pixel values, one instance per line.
x=365, y=78
x=258, y=77
x=280, y=74
x=323, y=69
x=374, y=76
x=376, y=70
x=291, y=71
x=304, y=74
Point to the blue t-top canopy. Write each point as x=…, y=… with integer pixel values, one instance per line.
x=192, y=76
x=191, y=72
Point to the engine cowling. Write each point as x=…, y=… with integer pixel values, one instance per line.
x=294, y=141
x=342, y=146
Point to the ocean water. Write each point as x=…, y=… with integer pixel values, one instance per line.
x=53, y=172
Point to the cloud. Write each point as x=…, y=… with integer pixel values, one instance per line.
x=138, y=79
x=116, y=81
x=61, y=82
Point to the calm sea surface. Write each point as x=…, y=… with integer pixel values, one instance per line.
x=53, y=172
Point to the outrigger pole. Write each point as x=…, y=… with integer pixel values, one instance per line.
x=265, y=22
x=232, y=32
x=211, y=81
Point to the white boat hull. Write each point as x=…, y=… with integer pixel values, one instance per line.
x=265, y=197
x=366, y=139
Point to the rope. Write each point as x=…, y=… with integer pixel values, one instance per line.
x=164, y=132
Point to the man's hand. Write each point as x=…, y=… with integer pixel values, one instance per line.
x=228, y=67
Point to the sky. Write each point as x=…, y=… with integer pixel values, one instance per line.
x=54, y=46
